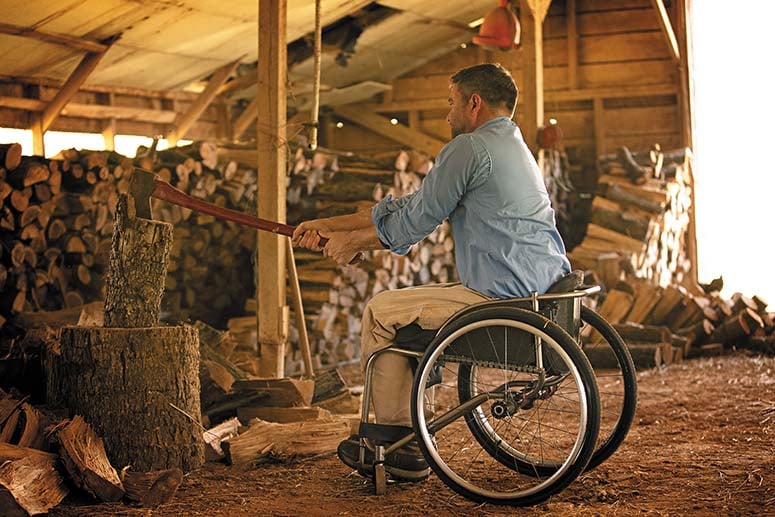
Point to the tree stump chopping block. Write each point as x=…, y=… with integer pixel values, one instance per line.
x=134, y=381
x=138, y=267
x=133, y=386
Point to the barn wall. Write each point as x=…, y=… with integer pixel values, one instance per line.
x=620, y=48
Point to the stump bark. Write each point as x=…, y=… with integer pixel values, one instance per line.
x=138, y=266
x=127, y=383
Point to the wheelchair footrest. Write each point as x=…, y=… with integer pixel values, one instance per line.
x=383, y=433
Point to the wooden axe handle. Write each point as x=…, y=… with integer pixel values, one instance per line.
x=166, y=192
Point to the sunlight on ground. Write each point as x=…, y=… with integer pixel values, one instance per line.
x=734, y=172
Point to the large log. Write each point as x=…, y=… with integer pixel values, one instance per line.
x=138, y=387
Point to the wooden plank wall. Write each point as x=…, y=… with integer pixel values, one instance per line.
x=619, y=47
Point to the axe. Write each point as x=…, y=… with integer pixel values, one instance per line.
x=144, y=185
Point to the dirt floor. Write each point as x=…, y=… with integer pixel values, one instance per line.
x=703, y=443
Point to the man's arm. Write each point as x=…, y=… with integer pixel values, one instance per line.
x=307, y=234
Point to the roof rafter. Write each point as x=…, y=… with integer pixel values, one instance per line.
x=667, y=29
x=66, y=40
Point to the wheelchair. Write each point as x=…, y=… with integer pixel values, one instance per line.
x=506, y=407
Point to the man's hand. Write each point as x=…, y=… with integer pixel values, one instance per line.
x=340, y=247
x=307, y=234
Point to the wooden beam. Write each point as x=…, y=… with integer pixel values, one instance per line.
x=66, y=40
x=572, y=43
x=93, y=111
x=667, y=29
x=531, y=93
x=549, y=96
x=245, y=118
x=184, y=121
x=73, y=84
x=238, y=84
x=272, y=148
x=400, y=133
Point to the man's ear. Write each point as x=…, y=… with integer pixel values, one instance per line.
x=476, y=101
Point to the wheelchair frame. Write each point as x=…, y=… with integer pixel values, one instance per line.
x=563, y=308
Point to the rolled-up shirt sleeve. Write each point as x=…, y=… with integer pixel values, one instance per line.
x=404, y=221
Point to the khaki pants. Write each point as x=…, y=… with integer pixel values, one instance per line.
x=428, y=306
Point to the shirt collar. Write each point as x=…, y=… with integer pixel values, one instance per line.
x=493, y=121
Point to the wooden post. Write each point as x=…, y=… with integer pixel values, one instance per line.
x=73, y=84
x=598, y=112
x=270, y=132
x=185, y=120
x=532, y=13
x=38, y=148
x=109, y=129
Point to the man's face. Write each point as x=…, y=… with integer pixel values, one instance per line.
x=459, y=117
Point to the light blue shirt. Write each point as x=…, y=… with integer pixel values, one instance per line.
x=489, y=186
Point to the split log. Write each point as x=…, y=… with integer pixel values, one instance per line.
x=10, y=156
x=737, y=328
x=282, y=392
x=635, y=333
x=151, y=489
x=83, y=454
x=138, y=266
x=282, y=415
x=30, y=485
x=264, y=439
x=214, y=436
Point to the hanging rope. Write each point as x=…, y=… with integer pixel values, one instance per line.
x=314, y=124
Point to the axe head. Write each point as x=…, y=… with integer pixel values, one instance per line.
x=141, y=188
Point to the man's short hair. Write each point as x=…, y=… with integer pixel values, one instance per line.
x=491, y=81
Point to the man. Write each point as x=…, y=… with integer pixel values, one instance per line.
x=487, y=183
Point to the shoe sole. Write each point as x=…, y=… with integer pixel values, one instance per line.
x=395, y=472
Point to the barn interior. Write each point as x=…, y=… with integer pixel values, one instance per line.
x=236, y=371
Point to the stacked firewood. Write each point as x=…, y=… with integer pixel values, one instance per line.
x=34, y=442
x=640, y=213
x=662, y=325
x=56, y=219
x=323, y=185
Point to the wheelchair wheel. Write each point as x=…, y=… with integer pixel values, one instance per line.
x=616, y=382
x=498, y=399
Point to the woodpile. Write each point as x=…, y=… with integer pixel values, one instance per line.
x=635, y=247
x=43, y=456
x=640, y=216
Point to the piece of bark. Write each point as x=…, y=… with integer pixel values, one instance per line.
x=30, y=485
x=83, y=454
x=151, y=488
x=138, y=267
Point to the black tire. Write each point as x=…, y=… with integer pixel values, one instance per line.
x=612, y=436
x=577, y=433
